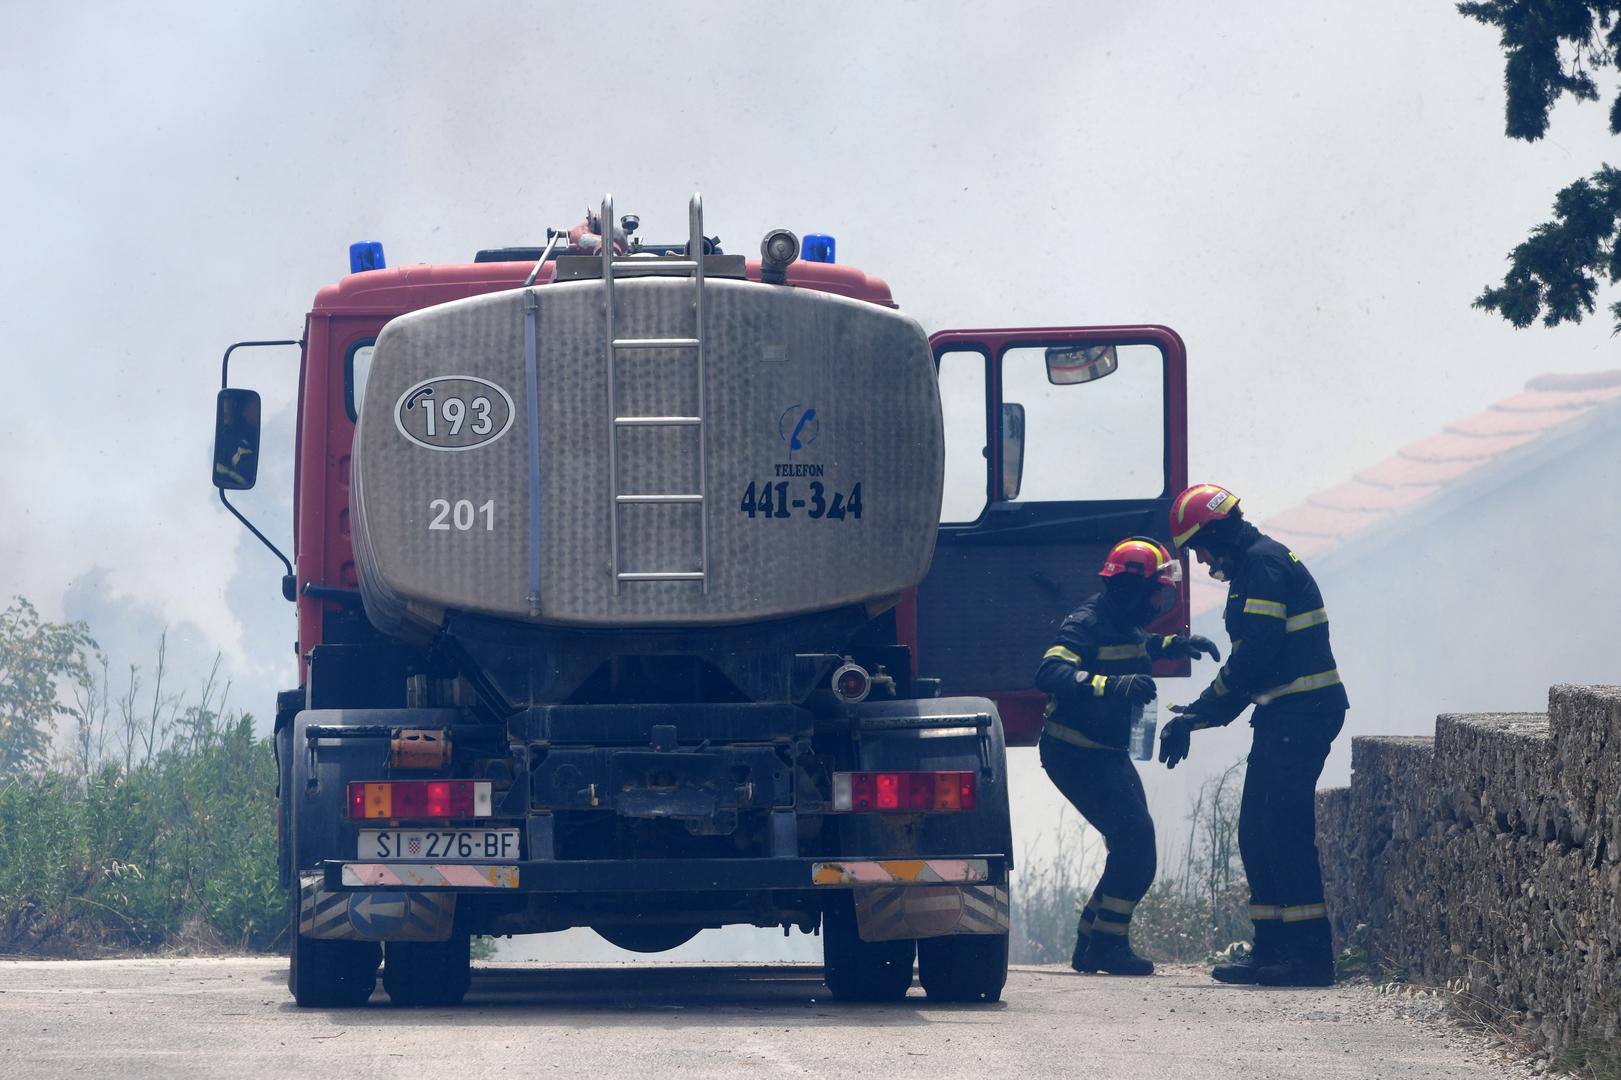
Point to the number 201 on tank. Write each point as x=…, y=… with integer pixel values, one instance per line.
x=461, y=515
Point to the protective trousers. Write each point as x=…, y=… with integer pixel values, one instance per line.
x=1103, y=785
x=1277, y=832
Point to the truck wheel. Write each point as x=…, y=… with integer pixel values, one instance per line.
x=857, y=970
x=329, y=974
x=963, y=967
x=428, y=972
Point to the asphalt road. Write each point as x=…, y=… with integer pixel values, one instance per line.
x=233, y=1018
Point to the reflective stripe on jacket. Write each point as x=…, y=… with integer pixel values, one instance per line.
x=1090, y=640
x=1278, y=626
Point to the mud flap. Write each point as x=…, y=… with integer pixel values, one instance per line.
x=373, y=915
x=894, y=913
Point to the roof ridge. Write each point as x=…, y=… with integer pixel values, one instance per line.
x=1418, y=477
x=1581, y=380
x=1456, y=428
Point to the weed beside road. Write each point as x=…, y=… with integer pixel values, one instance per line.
x=171, y=851
x=147, y=825
x=1197, y=906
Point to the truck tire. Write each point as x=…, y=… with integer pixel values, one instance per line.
x=428, y=972
x=322, y=973
x=329, y=974
x=857, y=970
x=963, y=967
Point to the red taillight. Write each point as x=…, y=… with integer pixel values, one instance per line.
x=863, y=791
x=420, y=799
x=903, y=791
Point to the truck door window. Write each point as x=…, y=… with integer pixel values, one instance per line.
x=1103, y=439
x=962, y=401
x=356, y=366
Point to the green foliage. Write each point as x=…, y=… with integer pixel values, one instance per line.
x=1188, y=914
x=157, y=829
x=178, y=850
x=33, y=656
x=1178, y=924
x=1351, y=963
x=1552, y=48
x=1552, y=274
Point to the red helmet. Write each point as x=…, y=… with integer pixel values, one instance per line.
x=1197, y=507
x=1143, y=557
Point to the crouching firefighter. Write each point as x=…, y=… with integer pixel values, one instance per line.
x=1097, y=675
x=1280, y=660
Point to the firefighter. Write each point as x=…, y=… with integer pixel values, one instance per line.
x=1097, y=674
x=1281, y=662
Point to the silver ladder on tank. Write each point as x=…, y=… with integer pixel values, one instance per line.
x=692, y=265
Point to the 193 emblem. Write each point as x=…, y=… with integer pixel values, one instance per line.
x=454, y=412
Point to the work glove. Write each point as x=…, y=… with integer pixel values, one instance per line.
x=1180, y=647
x=1137, y=689
x=1175, y=738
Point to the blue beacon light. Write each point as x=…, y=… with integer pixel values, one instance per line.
x=366, y=255
x=817, y=247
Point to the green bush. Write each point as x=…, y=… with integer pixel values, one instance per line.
x=176, y=851
x=156, y=829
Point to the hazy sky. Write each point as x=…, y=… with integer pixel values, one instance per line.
x=1311, y=193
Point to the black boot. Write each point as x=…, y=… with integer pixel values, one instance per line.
x=1111, y=954
x=1307, y=961
x=1265, y=951
x=1238, y=971
x=1078, y=959
x=1083, y=937
x=1298, y=969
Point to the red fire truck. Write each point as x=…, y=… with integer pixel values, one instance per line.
x=646, y=588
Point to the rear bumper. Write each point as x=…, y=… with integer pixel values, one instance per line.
x=663, y=875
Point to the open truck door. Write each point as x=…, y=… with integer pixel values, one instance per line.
x=1060, y=441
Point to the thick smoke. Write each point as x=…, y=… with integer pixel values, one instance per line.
x=1311, y=195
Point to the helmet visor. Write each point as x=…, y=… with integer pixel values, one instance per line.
x=1169, y=570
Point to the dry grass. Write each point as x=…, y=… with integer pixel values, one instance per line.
x=1198, y=906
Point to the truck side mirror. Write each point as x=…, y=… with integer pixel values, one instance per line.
x=236, y=439
x=1067, y=366
x=1012, y=450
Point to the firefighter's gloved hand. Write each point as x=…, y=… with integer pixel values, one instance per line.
x=1180, y=647
x=1197, y=715
x=1137, y=689
x=1175, y=738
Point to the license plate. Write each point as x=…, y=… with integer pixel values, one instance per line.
x=438, y=844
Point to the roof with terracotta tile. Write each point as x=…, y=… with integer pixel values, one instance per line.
x=1418, y=475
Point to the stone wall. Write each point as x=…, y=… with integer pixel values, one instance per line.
x=1490, y=853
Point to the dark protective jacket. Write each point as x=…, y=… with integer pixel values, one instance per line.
x=1100, y=641
x=1279, y=631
